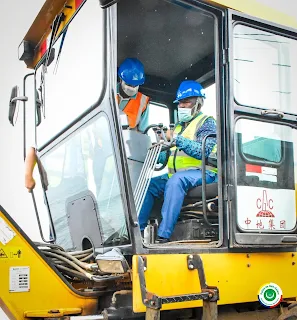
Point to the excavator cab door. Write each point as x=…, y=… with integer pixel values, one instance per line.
x=85, y=184
x=261, y=190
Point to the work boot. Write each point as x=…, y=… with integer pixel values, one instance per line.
x=161, y=240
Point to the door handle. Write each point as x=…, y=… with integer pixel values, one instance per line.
x=273, y=113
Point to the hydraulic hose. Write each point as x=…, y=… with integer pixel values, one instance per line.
x=80, y=252
x=50, y=245
x=78, y=269
x=72, y=272
x=71, y=263
x=84, y=265
x=87, y=258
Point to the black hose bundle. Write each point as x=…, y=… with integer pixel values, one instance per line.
x=74, y=263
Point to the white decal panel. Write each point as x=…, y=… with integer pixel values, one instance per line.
x=265, y=209
x=19, y=279
x=6, y=233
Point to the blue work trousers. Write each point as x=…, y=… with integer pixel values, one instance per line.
x=174, y=191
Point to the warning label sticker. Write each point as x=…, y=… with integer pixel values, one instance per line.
x=6, y=233
x=15, y=253
x=8, y=252
x=19, y=279
x=3, y=255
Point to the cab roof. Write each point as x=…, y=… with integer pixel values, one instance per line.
x=41, y=27
x=259, y=10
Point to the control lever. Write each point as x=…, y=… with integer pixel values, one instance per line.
x=155, y=129
x=163, y=133
x=159, y=134
x=171, y=126
x=160, y=126
x=165, y=129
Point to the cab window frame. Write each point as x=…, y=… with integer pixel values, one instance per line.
x=239, y=228
x=250, y=160
x=217, y=76
x=82, y=125
x=238, y=238
x=74, y=123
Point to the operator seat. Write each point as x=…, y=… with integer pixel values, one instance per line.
x=195, y=194
x=191, y=224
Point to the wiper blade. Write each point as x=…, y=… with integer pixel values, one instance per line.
x=56, y=25
x=60, y=50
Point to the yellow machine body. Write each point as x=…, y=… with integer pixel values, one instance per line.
x=48, y=295
x=238, y=276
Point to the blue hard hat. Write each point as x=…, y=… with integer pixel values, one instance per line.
x=132, y=72
x=189, y=88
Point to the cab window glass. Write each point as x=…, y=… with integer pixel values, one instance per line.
x=266, y=172
x=264, y=69
x=87, y=166
x=261, y=141
x=210, y=101
x=157, y=114
x=70, y=86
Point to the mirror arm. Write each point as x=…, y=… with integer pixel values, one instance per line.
x=20, y=98
x=24, y=111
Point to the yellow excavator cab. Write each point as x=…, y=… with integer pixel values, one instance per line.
x=231, y=252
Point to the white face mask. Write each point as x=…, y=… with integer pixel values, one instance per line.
x=184, y=114
x=130, y=91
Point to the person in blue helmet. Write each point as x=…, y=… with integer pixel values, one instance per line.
x=132, y=102
x=184, y=164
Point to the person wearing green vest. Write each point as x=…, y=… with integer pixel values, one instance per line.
x=184, y=164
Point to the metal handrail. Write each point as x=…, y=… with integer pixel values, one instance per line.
x=204, y=205
x=146, y=175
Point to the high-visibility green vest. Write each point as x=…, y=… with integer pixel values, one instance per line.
x=179, y=160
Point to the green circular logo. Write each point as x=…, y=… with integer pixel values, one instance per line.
x=270, y=295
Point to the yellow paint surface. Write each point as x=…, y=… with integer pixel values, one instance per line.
x=168, y=275
x=256, y=9
x=47, y=290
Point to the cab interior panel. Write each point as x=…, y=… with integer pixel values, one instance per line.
x=170, y=51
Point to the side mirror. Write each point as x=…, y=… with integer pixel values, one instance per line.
x=14, y=106
x=38, y=108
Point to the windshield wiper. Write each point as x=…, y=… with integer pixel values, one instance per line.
x=60, y=50
x=56, y=25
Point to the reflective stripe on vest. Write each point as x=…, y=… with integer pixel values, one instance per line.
x=179, y=160
x=134, y=108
